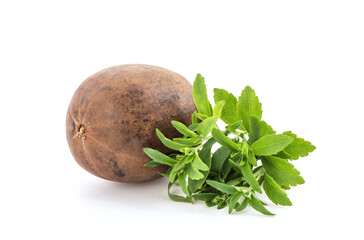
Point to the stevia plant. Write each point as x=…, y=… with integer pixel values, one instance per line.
x=251, y=156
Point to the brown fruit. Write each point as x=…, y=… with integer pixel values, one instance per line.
x=113, y=116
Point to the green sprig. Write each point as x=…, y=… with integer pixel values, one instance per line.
x=251, y=158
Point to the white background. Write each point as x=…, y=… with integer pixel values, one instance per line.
x=305, y=60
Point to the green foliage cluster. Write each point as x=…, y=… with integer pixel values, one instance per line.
x=251, y=156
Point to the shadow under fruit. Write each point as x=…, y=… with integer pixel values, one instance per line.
x=113, y=116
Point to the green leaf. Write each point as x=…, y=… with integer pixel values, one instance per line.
x=263, y=202
x=205, y=196
x=222, y=187
x=187, y=150
x=197, y=163
x=224, y=140
x=151, y=164
x=193, y=126
x=183, y=129
x=245, y=149
x=219, y=157
x=228, y=114
x=282, y=171
x=188, y=141
x=274, y=192
x=177, y=198
x=226, y=168
x=182, y=182
x=299, y=147
x=222, y=205
x=236, y=181
x=258, y=129
x=233, y=200
x=168, y=143
x=201, y=116
x=205, y=156
x=252, y=159
x=257, y=205
x=205, y=152
x=283, y=154
x=181, y=163
x=207, y=125
x=248, y=105
x=193, y=172
x=249, y=177
x=172, y=176
x=218, y=108
x=254, y=133
x=265, y=129
x=200, y=96
x=210, y=203
x=193, y=118
x=270, y=144
x=233, y=126
x=234, y=165
x=219, y=199
x=159, y=157
x=255, y=170
x=226, y=176
x=243, y=204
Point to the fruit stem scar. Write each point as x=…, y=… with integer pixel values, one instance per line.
x=81, y=131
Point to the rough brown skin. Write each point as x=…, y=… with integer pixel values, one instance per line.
x=113, y=116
